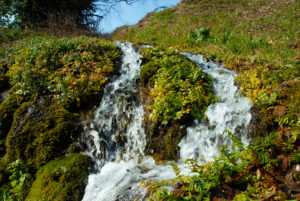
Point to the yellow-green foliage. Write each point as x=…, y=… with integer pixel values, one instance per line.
x=19, y=180
x=62, y=179
x=232, y=168
x=180, y=88
x=73, y=69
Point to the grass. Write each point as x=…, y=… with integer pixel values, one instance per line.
x=242, y=32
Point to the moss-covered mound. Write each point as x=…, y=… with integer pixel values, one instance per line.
x=41, y=130
x=61, y=180
x=52, y=83
x=177, y=92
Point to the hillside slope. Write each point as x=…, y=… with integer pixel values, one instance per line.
x=260, y=40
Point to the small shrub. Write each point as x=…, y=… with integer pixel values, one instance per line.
x=199, y=35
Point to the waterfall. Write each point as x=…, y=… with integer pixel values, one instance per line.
x=118, y=139
x=231, y=113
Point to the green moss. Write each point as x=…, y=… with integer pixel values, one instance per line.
x=147, y=72
x=63, y=179
x=7, y=109
x=41, y=131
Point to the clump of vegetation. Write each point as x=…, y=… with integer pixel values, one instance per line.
x=180, y=88
x=9, y=35
x=74, y=69
x=176, y=90
x=62, y=179
x=232, y=175
x=199, y=35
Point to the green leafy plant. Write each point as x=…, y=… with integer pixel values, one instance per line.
x=233, y=167
x=18, y=181
x=73, y=68
x=199, y=35
x=180, y=88
x=203, y=179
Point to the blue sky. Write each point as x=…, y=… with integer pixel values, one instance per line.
x=125, y=14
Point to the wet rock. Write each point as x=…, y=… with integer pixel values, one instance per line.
x=3, y=96
x=41, y=131
x=63, y=179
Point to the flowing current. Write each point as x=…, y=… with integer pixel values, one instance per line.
x=118, y=139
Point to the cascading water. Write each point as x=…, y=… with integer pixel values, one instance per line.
x=118, y=138
x=119, y=118
x=231, y=113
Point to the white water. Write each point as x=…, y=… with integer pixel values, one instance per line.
x=230, y=113
x=120, y=116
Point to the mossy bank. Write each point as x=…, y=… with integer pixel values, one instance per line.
x=50, y=84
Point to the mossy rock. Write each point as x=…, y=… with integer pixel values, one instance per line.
x=61, y=180
x=41, y=131
x=147, y=72
x=7, y=110
x=163, y=140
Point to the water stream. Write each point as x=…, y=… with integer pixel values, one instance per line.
x=231, y=113
x=118, y=138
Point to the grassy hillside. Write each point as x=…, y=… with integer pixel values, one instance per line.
x=260, y=40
